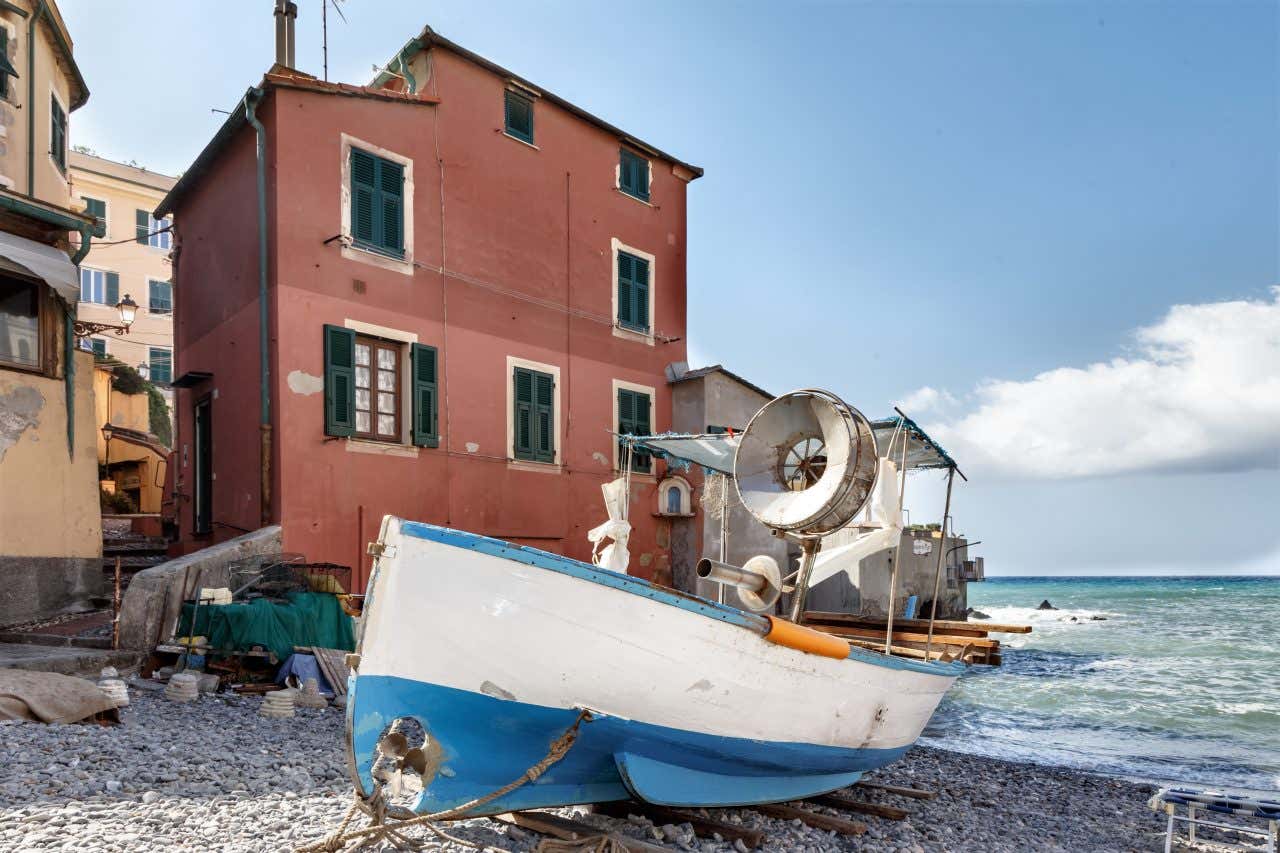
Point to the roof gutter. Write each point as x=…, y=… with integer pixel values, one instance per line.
x=79, y=96
x=87, y=228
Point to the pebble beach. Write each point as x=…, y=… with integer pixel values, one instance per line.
x=215, y=775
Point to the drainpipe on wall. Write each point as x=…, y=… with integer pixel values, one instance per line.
x=251, y=99
x=410, y=82
x=42, y=8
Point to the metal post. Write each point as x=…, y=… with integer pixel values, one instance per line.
x=724, y=529
x=897, y=554
x=809, y=546
x=937, y=574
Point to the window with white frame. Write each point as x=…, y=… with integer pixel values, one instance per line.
x=160, y=362
x=99, y=286
x=151, y=231
x=159, y=297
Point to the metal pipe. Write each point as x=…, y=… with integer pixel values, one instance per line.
x=809, y=546
x=724, y=529
x=897, y=554
x=251, y=99
x=728, y=575
x=937, y=574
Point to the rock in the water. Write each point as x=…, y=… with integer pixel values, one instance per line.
x=1097, y=618
x=1045, y=605
x=978, y=614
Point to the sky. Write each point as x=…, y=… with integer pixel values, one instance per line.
x=1048, y=229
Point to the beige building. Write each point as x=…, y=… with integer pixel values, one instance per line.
x=50, y=526
x=132, y=259
x=130, y=456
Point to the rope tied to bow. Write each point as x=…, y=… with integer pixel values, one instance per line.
x=376, y=807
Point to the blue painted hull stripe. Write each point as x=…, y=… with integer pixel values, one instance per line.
x=645, y=589
x=487, y=742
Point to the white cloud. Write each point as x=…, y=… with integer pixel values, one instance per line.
x=1199, y=392
x=926, y=399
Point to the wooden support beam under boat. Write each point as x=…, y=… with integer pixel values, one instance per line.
x=818, y=821
x=544, y=823
x=913, y=793
x=829, y=618
x=835, y=801
x=909, y=636
x=703, y=827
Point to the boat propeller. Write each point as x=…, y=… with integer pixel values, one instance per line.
x=396, y=759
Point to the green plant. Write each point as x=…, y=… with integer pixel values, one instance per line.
x=128, y=381
x=158, y=416
x=117, y=502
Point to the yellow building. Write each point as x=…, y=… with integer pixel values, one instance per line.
x=131, y=455
x=50, y=526
x=132, y=259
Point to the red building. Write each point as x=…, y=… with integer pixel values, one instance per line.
x=469, y=283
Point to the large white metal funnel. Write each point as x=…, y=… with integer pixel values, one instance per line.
x=806, y=463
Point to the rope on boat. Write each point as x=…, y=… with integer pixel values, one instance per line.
x=376, y=807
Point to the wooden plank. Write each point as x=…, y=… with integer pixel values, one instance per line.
x=333, y=663
x=818, y=821
x=572, y=830
x=913, y=793
x=833, y=801
x=704, y=827
x=917, y=624
x=905, y=636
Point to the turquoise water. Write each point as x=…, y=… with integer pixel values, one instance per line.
x=1181, y=682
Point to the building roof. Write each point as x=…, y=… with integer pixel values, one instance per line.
x=93, y=164
x=277, y=77
x=430, y=38
x=700, y=372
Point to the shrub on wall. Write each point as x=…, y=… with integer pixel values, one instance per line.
x=130, y=381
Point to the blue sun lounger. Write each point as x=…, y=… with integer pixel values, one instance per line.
x=1197, y=802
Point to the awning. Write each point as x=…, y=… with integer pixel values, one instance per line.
x=27, y=257
x=715, y=451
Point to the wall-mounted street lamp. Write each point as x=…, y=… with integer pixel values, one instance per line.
x=128, y=310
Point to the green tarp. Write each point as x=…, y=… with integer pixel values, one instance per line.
x=307, y=619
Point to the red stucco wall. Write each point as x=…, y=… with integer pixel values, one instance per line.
x=517, y=220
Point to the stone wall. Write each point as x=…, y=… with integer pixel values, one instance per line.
x=154, y=598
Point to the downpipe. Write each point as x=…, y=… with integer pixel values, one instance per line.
x=251, y=99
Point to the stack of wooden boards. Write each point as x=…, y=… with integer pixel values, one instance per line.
x=967, y=641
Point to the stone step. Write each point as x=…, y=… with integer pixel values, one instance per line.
x=69, y=661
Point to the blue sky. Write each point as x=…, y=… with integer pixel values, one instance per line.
x=965, y=197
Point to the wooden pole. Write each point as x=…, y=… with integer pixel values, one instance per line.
x=942, y=549
x=115, y=609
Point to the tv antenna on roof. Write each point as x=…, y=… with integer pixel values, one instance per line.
x=324, y=30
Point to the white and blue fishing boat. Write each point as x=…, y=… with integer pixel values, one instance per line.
x=497, y=649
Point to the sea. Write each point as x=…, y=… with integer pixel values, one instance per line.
x=1165, y=679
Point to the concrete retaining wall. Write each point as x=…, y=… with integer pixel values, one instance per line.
x=154, y=597
x=33, y=588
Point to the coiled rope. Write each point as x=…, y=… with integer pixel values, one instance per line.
x=376, y=807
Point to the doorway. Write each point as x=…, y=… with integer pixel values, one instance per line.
x=203, y=500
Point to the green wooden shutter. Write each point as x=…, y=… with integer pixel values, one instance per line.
x=426, y=431
x=364, y=167
x=519, y=116
x=142, y=225
x=545, y=417
x=640, y=292
x=391, y=183
x=523, y=427
x=4, y=52
x=626, y=271
x=113, y=288
x=339, y=381
x=643, y=426
x=58, y=133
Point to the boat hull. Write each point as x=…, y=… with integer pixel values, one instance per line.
x=494, y=649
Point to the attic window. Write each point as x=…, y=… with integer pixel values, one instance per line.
x=519, y=116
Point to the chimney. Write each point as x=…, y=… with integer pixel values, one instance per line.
x=286, y=12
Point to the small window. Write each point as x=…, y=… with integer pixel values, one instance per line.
x=99, y=287
x=151, y=231
x=95, y=207
x=519, y=116
x=160, y=360
x=58, y=134
x=634, y=418
x=633, y=292
x=377, y=389
x=160, y=298
x=19, y=323
x=97, y=346
x=675, y=497
x=535, y=420
x=673, y=500
x=633, y=175
x=377, y=203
